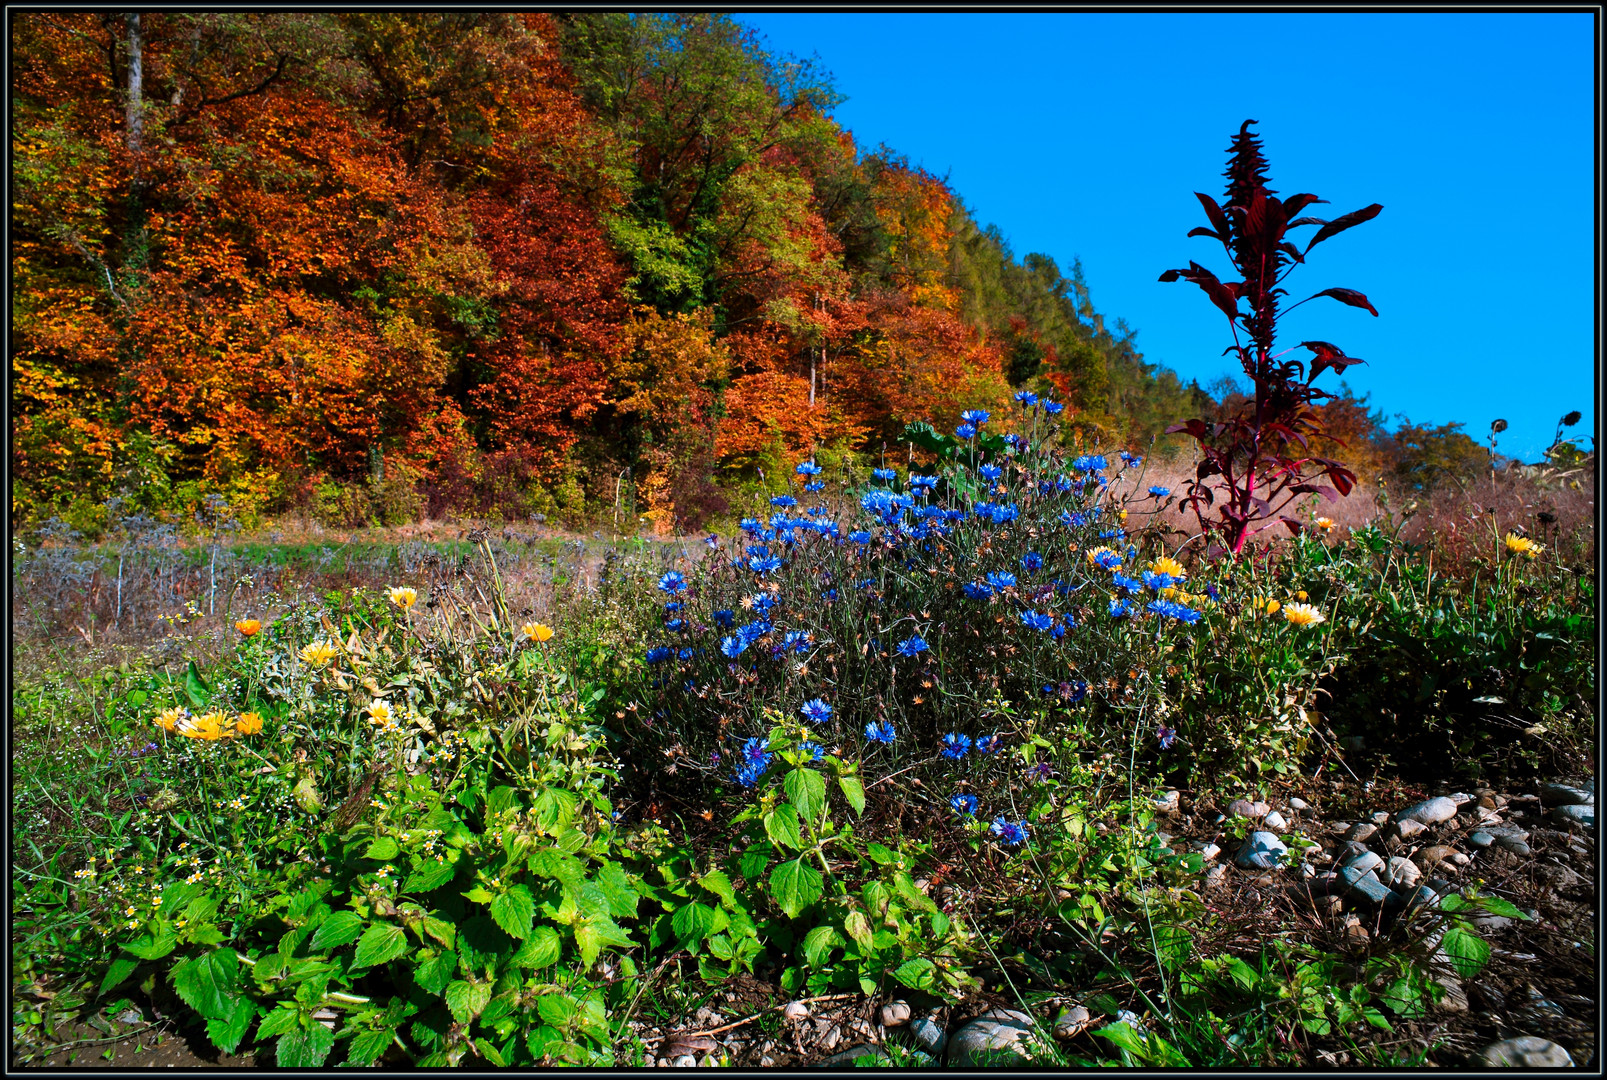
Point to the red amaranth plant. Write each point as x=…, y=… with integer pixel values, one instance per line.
x=1264, y=454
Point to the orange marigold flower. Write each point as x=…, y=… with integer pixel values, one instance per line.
x=248, y=627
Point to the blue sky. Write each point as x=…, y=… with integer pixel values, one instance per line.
x=1085, y=135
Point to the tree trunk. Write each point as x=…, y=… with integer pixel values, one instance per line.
x=136, y=83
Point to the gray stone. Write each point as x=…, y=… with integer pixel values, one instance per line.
x=1400, y=872
x=1365, y=886
x=1209, y=852
x=833, y=1036
x=1350, y=849
x=1422, y=896
x=853, y=1054
x=1380, y=817
x=929, y=1035
x=1511, y=843
x=1242, y=808
x=1365, y=861
x=1456, y=858
x=1261, y=851
x=1362, y=830
x=1429, y=811
x=1432, y=856
x=997, y=1037
x=1409, y=828
x=1339, y=828
x=1455, y=999
x=1260, y=808
x=1575, y=814
x=685, y=1061
x=1072, y=1022
x=766, y=1062
x=1565, y=795
x=895, y=1013
x=1214, y=875
x=1493, y=924
x=1275, y=820
x=1168, y=803
x=1526, y=1052
x=1460, y=798
x=1480, y=839
x=1297, y=803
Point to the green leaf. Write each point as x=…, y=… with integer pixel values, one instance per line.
x=917, y=974
x=853, y=791
x=880, y=855
x=207, y=983
x=440, y=930
x=153, y=948
x=819, y=943
x=487, y=1051
x=593, y=933
x=226, y=1032
x=467, y=1000
x=195, y=688
x=380, y=943
x=482, y=943
x=806, y=789
x=617, y=889
x=858, y=928
x=337, y=930
x=716, y=882
x=305, y=1048
x=513, y=911
x=501, y=798
x=550, y=862
x=795, y=886
x=287, y=1017
x=540, y=949
x=433, y=974
x=384, y=849
x=693, y=922
x=754, y=860
x=368, y=1046
x=781, y=825
x=1174, y=945
x=121, y=969
x=429, y=874
x=1497, y=906
x=1468, y=952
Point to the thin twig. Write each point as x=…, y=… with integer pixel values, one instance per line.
x=96, y=1042
x=748, y=1019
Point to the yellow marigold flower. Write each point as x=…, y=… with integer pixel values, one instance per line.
x=404, y=597
x=318, y=653
x=379, y=714
x=1325, y=524
x=209, y=726
x=536, y=631
x=169, y=719
x=1522, y=545
x=248, y=627
x=1170, y=567
x=248, y=723
x=1303, y=614
x=1264, y=605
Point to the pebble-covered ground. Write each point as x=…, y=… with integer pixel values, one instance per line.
x=1381, y=850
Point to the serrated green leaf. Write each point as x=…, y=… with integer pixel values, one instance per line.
x=226, y=1032
x=440, y=930
x=556, y=1009
x=1468, y=952
x=513, y=911
x=616, y=886
x=594, y=933
x=155, y=947
x=369, y=1046
x=880, y=855
x=383, y=849
x=379, y=944
x=781, y=825
x=121, y=969
x=917, y=974
x=482, y=943
x=559, y=865
x=337, y=930
x=753, y=861
x=467, y=1000
x=795, y=886
x=287, y=1017
x=305, y=1047
x=435, y=972
x=818, y=944
x=1497, y=906
x=479, y=895
x=429, y=875
x=207, y=983
x=540, y=949
x=853, y=791
x=858, y=928
x=806, y=789
x=720, y=946
x=693, y=922
x=489, y=1052
x=716, y=882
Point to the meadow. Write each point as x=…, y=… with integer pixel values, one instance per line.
x=981, y=754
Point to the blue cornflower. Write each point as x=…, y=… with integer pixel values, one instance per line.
x=1210, y=591
x=859, y=536
x=989, y=744
x=976, y=590
x=1008, y=832
x=1131, y=459
x=1169, y=609
x=1122, y=581
x=1031, y=562
x=1158, y=581
x=733, y=645
x=1027, y=398
x=672, y=582
x=672, y=606
x=975, y=416
x=684, y=654
x=808, y=468
x=765, y=565
x=712, y=541
x=763, y=602
x=813, y=749
x=1166, y=735
x=1160, y=492
x=1090, y=463
x=966, y=431
x=990, y=473
x=815, y=485
x=756, y=749
x=1120, y=609
x=885, y=475
x=1034, y=621
x=953, y=514
x=796, y=641
x=1109, y=560
x=674, y=625
x=1058, y=630
x=758, y=551
x=1001, y=579
x=1111, y=534
x=918, y=481
x=1053, y=408
x=751, y=526
x=725, y=618
x=659, y=653
x=913, y=646
x=955, y=746
x=1073, y=519
x=816, y=711
x=1002, y=514
x=964, y=805
x=783, y=500
x=877, y=502
x=879, y=732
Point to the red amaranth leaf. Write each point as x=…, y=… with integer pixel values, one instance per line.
x=1329, y=356
x=1346, y=296
x=1340, y=224
x=1224, y=296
